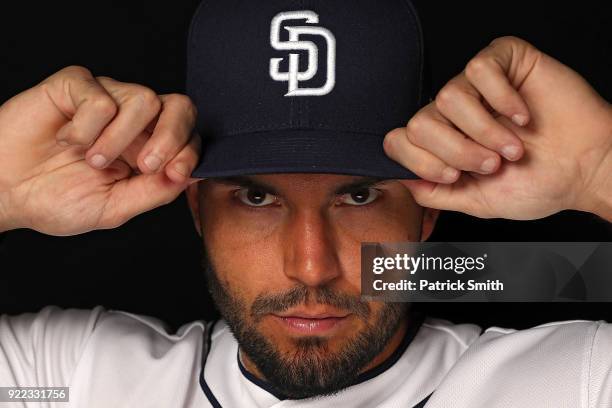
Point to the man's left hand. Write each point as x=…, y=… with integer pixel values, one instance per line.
x=517, y=135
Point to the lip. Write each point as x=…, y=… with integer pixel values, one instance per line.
x=311, y=315
x=305, y=323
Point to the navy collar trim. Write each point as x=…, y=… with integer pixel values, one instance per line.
x=207, y=391
x=417, y=321
x=259, y=382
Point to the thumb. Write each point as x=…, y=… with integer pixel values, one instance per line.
x=459, y=196
x=136, y=195
x=194, y=180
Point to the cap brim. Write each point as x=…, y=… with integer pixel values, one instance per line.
x=298, y=151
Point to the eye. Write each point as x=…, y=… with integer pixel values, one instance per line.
x=360, y=197
x=255, y=197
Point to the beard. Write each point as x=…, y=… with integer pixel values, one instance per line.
x=310, y=368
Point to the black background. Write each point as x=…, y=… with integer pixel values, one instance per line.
x=151, y=264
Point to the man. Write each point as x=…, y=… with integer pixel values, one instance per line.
x=293, y=105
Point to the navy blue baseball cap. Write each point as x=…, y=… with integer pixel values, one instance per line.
x=303, y=86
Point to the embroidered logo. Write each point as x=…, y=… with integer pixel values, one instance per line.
x=294, y=76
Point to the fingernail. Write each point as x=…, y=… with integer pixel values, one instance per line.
x=488, y=165
x=152, y=162
x=182, y=169
x=63, y=143
x=98, y=161
x=450, y=174
x=519, y=119
x=511, y=152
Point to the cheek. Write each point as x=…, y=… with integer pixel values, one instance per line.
x=242, y=250
x=241, y=228
x=234, y=227
x=388, y=222
x=376, y=308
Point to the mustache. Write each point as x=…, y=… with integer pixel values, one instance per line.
x=280, y=302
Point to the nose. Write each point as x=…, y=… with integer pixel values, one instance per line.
x=310, y=251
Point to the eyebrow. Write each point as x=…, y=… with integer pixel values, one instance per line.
x=245, y=182
x=360, y=184
x=249, y=182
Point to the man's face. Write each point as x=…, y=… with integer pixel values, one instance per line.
x=283, y=262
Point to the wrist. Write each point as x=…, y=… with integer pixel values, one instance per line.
x=596, y=196
x=599, y=199
x=6, y=221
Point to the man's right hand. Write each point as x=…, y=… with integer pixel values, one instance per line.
x=79, y=153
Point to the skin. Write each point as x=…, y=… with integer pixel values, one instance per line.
x=509, y=95
x=308, y=234
x=49, y=135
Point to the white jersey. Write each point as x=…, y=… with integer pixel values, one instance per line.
x=113, y=359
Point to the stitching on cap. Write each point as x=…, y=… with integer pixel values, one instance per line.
x=195, y=17
x=419, y=32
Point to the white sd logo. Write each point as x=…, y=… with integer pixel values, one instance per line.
x=295, y=76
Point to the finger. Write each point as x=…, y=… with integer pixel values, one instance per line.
x=179, y=169
x=79, y=97
x=432, y=132
x=489, y=73
x=138, y=107
x=130, y=154
x=172, y=132
x=460, y=103
x=460, y=196
x=419, y=161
